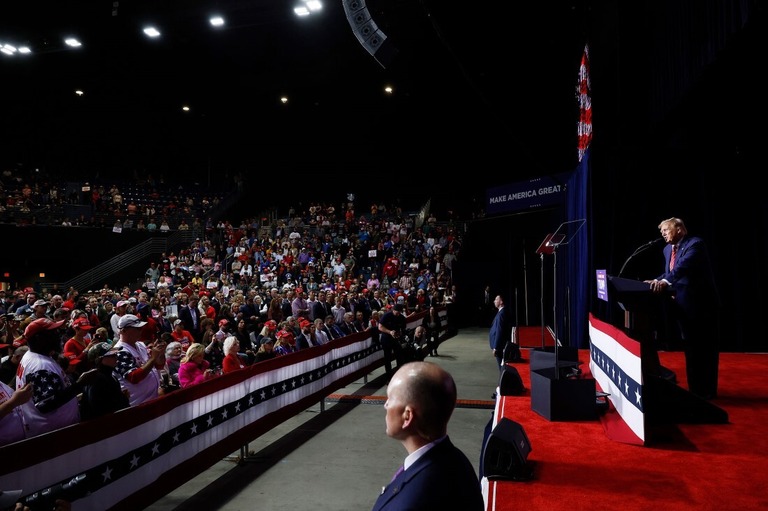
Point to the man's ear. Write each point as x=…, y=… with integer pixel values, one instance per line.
x=408, y=416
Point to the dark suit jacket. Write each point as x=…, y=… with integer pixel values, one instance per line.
x=501, y=329
x=186, y=318
x=442, y=479
x=347, y=328
x=301, y=342
x=319, y=311
x=336, y=331
x=376, y=305
x=691, y=281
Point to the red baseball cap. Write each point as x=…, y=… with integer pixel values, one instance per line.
x=82, y=324
x=40, y=325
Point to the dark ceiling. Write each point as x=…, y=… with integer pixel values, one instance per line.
x=477, y=83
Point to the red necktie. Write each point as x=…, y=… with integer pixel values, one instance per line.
x=672, y=258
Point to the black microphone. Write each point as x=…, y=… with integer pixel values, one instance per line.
x=641, y=248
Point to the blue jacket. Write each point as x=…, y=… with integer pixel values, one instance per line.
x=691, y=281
x=501, y=330
x=442, y=479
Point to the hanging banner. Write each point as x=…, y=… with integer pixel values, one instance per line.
x=535, y=193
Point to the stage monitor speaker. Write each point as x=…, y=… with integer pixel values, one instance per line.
x=367, y=31
x=512, y=352
x=505, y=453
x=510, y=383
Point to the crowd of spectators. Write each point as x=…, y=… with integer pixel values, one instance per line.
x=142, y=203
x=231, y=299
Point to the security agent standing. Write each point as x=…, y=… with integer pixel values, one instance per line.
x=392, y=325
x=501, y=331
x=436, y=475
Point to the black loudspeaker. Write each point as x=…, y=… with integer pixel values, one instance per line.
x=512, y=352
x=505, y=453
x=367, y=31
x=510, y=383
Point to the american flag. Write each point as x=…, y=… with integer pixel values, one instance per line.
x=585, y=104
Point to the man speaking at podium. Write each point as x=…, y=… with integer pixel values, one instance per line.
x=694, y=303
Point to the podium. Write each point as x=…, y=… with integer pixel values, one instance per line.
x=664, y=401
x=640, y=306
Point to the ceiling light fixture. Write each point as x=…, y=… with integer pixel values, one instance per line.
x=216, y=21
x=314, y=5
x=308, y=8
x=152, y=32
x=71, y=41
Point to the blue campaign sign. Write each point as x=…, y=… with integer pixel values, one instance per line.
x=535, y=193
x=602, y=284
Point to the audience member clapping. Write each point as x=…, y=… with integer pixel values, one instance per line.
x=11, y=415
x=54, y=401
x=138, y=367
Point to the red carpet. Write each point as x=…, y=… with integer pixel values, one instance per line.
x=533, y=336
x=688, y=467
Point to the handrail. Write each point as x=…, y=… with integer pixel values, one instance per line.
x=153, y=245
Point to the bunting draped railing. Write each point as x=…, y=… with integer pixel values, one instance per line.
x=129, y=459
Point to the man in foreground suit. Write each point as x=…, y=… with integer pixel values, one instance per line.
x=688, y=280
x=436, y=474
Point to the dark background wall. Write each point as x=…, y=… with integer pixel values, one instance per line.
x=65, y=252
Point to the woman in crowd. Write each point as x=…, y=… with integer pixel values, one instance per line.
x=261, y=308
x=266, y=350
x=194, y=367
x=242, y=333
x=76, y=348
x=232, y=360
x=283, y=345
x=287, y=332
x=207, y=310
x=206, y=327
x=269, y=331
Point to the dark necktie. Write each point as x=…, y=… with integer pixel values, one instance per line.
x=399, y=471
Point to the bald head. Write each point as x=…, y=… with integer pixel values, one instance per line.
x=429, y=392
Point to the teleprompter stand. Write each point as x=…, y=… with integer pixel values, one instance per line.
x=557, y=392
